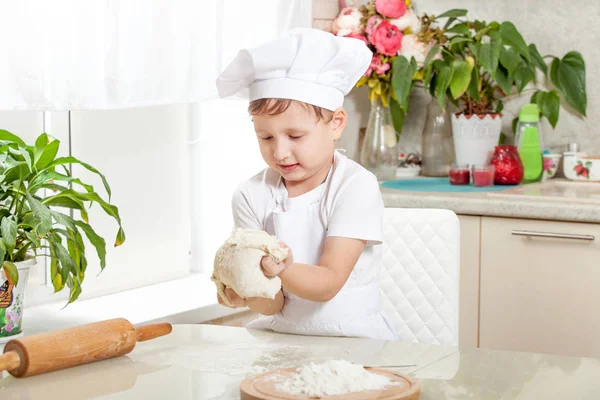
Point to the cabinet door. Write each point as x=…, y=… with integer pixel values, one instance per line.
x=470, y=227
x=540, y=294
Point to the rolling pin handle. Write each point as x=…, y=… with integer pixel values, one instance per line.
x=9, y=361
x=147, y=332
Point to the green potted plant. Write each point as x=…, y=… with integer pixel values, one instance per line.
x=37, y=196
x=480, y=65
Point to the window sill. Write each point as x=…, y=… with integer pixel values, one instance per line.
x=188, y=300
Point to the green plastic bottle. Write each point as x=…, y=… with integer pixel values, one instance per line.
x=528, y=143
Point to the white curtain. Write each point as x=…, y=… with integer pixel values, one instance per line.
x=223, y=145
x=107, y=54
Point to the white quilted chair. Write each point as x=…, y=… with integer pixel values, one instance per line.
x=420, y=274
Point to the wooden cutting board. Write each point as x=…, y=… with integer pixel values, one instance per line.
x=262, y=387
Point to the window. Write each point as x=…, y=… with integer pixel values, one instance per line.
x=172, y=168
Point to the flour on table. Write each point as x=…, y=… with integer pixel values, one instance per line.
x=237, y=264
x=333, y=377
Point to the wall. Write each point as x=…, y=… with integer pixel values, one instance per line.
x=552, y=25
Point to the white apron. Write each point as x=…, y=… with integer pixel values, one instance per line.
x=353, y=312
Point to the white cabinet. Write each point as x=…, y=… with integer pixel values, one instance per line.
x=469, y=281
x=539, y=293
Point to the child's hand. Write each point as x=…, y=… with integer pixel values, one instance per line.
x=272, y=268
x=236, y=300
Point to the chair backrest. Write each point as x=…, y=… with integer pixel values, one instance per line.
x=421, y=274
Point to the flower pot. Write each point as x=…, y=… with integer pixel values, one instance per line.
x=12, y=299
x=475, y=137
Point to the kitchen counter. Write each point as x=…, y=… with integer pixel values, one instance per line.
x=556, y=200
x=209, y=362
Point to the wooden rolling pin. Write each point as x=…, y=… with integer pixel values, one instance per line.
x=46, y=352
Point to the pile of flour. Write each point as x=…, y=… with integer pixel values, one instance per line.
x=333, y=377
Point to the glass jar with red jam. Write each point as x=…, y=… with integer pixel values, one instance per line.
x=508, y=165
x=459, y=174
x=483, y=175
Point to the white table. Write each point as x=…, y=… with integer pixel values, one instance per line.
x=209, y=362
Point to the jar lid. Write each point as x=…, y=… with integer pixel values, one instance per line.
x=529, y=113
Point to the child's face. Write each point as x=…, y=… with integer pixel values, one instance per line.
x=297, y=145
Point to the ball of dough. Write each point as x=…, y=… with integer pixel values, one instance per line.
x=237, y=264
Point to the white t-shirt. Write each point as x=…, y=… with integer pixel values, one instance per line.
x=349, y=204
x=352, y=208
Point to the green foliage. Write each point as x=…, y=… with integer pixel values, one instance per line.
x=30, y=220
x=483, y=63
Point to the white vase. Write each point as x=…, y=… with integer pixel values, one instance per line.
x=475, y=137
x=13, y=296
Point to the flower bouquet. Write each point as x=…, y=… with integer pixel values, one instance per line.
x=400, y=41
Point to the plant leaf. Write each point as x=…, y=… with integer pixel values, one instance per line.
x=10, y=137
x=398, y=116
x=96, y=241
x=461, y=77
x=549, y=105
x=120, y=237
x=42, y=214
x=73, y=160
x=111, y=210
x=67, y=202
x=568, y=75
x=511, y=36
x=64, y=220
x=27, y=158
x=444, y=79
x=50, y=151
x=523, y=75
x=537, y=59
x=460, y=29
x=55, y=274
x=474, y=49
x=432, y=53
x=402, y=79
x=9, y=233
x=489, y=54
x=514, y=123
x=454, y=13
x=11, y=271
x=40, y=144
x=2, y=251
x=460, y=39
x=65, y=259
x=473, y=89
x=504, y=81
x=75, y=290
x=509, y=59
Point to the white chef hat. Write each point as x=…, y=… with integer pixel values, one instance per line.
x=308, y=65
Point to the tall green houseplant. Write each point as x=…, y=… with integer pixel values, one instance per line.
x=482, y=63
x=37, y=196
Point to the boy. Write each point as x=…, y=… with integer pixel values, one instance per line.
x=325, y=207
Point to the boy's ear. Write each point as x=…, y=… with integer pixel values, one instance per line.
x=338, y=122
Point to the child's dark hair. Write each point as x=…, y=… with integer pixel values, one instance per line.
x=278, y=106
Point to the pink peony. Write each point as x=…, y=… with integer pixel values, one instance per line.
x=358, y=36
x=372, y=23
x=390, y=8
x=413, y=47
x=387, y=38
x=376, y=66
x=347, y=22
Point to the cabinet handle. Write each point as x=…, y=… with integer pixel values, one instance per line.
x=553, y=235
